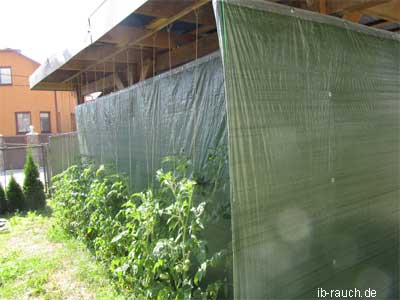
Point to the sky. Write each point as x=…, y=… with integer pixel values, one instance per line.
x=40, y=28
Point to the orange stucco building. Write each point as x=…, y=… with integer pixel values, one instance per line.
x=49, y=112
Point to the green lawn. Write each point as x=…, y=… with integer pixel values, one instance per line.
x=39, y=261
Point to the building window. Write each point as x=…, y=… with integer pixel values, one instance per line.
x=45, y=122
x=5, y=76
x=23, y=122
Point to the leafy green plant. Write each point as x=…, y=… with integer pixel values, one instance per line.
x=15, y=196
x=167, y=257
x=152, y=241
x=89, y=198
x=3, y=201
x=35, y=197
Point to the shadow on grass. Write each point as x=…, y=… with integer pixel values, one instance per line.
x=44, y=212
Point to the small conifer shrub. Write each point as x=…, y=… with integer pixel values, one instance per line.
x=14, y=195
x=35, y=197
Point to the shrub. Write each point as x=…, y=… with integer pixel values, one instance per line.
x=35, y=197
x=15, y=197
x=152, y=242
x=3, y=201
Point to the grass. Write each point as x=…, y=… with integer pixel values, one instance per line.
x=40, y=261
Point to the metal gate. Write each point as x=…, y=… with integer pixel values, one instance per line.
x=13, y=158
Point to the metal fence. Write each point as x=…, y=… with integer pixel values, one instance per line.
x=62, y=152
x=13, y=158
x=58, y=154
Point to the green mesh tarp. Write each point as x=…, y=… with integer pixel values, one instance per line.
x=313, y=107
x=181, y=112
x=62, y=152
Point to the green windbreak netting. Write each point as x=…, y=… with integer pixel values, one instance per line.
x=313, y=117
x=181, y=112
x=62, y=152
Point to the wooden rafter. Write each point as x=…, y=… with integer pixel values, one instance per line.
x=77, y=65
x=202, y=29
x=146, y=69
x=136, y=41
x=102, y=84
x=121, y=35
x=179, y=56
x=354, y=16
x=389, y=11
x=352, y=6
x=98, y=53
x=170, y=8
x=322, y=7
x=56, y=86
x=187, y=53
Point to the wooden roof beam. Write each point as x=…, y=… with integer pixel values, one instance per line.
x=169, y=9
x=184, y=12
x=54, y=86
x=77, y=65
x=187, y=53
x=346, y=6
x=388, y=11
x=202, y=29
x=95, y=54
x=354, y=16
x=121, y=35
x=98, y=85
x=322, y=7
x=179, y=56
x=101, y=84
x=392, y=20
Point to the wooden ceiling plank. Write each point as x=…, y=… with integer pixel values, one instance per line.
x=187, y=53
x=377, y=15
x=99, y=85
x=346, y=6
x=118, y=82
x=156, y=23
x=75, y=65
x=97, y=53
x=169, y=8
x=389, y=11
x=202, y=29
x=353, y=16
x=187, y=10
x=146, y=70
x=205, y=16
x=52, y=86
x=102, y=84
x=121, y=35
x=322, y=7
